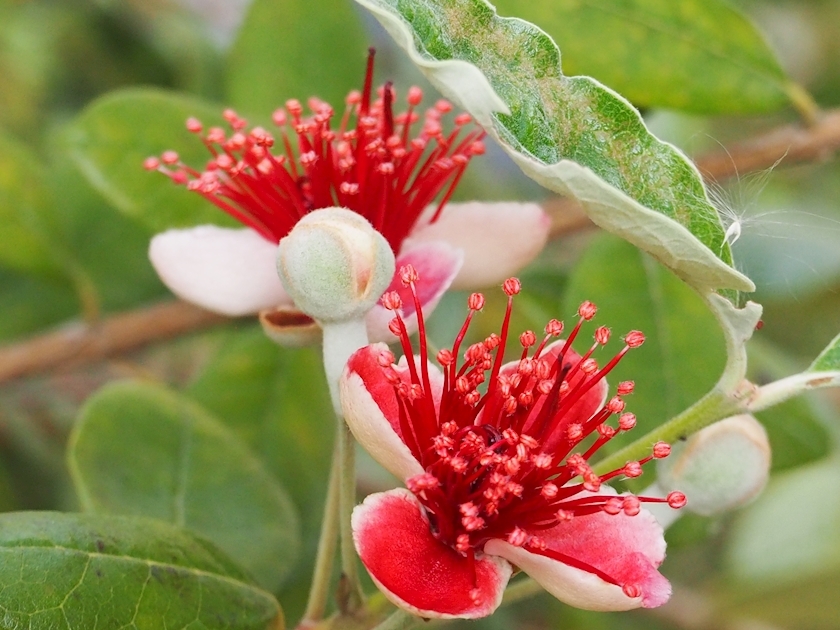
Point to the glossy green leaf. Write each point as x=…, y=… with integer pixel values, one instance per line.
x=111, y=247
x=24, y=241
x=80, y=571
x=572, y=135
x=683, y=354
x=694, y=55
x=296, y=49
x=276, y=400
x=783, y=554
x=140, y=449
x=110, y=139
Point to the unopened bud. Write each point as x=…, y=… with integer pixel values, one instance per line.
x=335, y=265
x=720, y=468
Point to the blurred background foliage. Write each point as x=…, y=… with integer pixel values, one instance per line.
x=77, y=212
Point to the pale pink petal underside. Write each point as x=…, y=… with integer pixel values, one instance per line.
x=498, y=239
x=229, y=271
x=437, y=264
x=415, y=570
x=628, y=549
x=371, y=410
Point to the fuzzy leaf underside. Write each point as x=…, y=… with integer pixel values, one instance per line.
x=570, y=134
x=79, y=571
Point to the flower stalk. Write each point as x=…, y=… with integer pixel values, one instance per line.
x=319, y=590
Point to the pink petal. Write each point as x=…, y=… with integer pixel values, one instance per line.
x=498, y=239
x=229, y=271
x=415, y=570
x=437, y=264
x=627, y=548
x=371, y=410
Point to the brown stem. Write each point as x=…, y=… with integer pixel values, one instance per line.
x=76, y=343
x=791, y=144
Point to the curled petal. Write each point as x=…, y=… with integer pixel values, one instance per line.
x=415, y=570
x=627, y=549
x=229, y=271
x=437, y=264
x=497, y=239
x=372, y=411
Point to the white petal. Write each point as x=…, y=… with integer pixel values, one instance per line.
x=498, y=239
x=229, y=271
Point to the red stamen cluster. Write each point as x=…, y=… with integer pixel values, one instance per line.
x=372, y=164
x=512, y=461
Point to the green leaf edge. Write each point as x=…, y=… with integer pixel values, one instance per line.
x=654, y=231
x=116, y=389
x=37, y=530
x=828, y=359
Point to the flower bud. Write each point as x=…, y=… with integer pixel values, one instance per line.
x=335, y=265
x=719, y=468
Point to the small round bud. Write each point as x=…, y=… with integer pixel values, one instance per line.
x=719, y=468
x=335, y=265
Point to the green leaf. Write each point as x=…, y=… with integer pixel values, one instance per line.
x=683, y=354
x=829, y=359
x=288, y=422
x=699, y=56
x=110, y=139
x=78, y=571
x=24, y=240
x=140, y=449
x=571, y=135
x=783, y=554
x=321, y=52
x=31, y=304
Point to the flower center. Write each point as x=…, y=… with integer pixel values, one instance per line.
x=373, y=163
x=512, y=460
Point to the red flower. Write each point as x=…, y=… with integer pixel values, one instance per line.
x=389, y=168
x=501, y=478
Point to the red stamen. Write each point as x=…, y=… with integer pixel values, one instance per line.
x=487, y=478
x=375, y=168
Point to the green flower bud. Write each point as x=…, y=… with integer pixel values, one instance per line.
x=719, y=468
x=334, y=265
